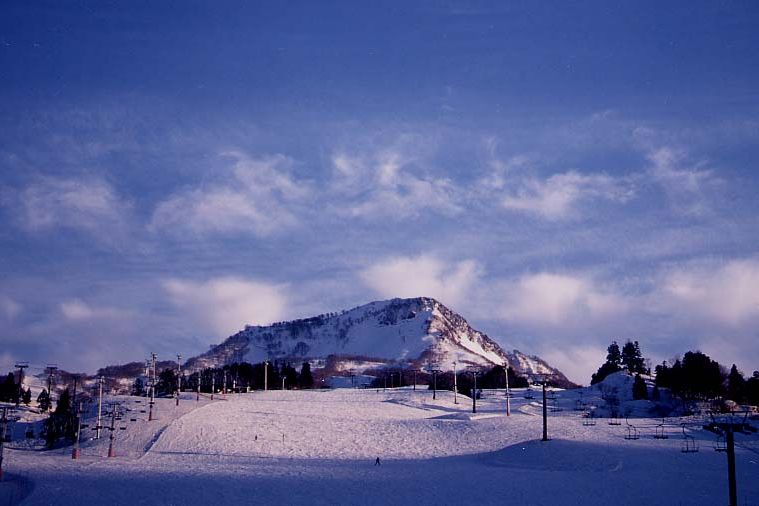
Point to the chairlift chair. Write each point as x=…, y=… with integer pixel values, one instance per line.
x=632, y=431
x=588, y=419
x=659, y=432
x=720, y=445
x=614, y=421
x=689, y=443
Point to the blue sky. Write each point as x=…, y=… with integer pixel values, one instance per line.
x=560, y=174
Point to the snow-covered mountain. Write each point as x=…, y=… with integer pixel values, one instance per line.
x=415, y=332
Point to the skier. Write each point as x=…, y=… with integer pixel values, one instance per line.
x=377, y=462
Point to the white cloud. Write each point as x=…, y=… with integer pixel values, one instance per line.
x=577, y=363
x=386, y=184
x=9, y=308
x=423, y=275
x=78, y=310
x=225, y=305
x=258, y=198
x=558, y=300
x=723, y=294
x=686, y=188
x=558, y=197
x=89, y=205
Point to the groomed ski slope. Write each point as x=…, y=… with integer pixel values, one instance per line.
x=432, y=452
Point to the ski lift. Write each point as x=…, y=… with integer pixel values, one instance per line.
x=720, y=445
x=659, y=432
x=588, y=419
x=632, y=431
x=613, y=420
x=689, y=443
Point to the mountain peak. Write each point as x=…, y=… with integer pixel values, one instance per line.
x=414, y=332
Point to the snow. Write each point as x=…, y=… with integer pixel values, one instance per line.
x=398, y=331
x=319, y=447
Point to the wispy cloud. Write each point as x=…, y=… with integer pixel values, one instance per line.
x=687, y=187
x=559, y=196
x=258, y=196
x=76, y=310
x=9, y=308
x=388, y=184
x=89, y=205
x=422, y=275
x=225, y=305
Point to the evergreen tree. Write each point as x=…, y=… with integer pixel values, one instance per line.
x=613, y=357
x=167, y=382
x=290, y=375
x=63, y=406
x=306, y=379
x=27, y=397
x=752, y=389
x=736, y=385
x=43, y=400
x=612, y=364
x=639, y=389
x=138, y=387
x=8, y=389
x=632, y=359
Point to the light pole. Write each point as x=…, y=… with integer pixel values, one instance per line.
x=543, y=378
x=474, y=374
x=455, y=385
x=179, y=376
x=434, y=373
x=508, y=394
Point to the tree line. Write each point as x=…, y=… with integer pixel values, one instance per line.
x=694, y=377
x=240, y=376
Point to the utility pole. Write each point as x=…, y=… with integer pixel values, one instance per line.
x=224, y=385
x=455, y=385
x=414, y=379
x=51, y=368
x=728, y=427
x=75, y=453
x=213, y=384
x=153, y=358
x=20, y=366
x=266, y=375
x=73, y=398
x=434, y=373
x=732, y=487
x=112, y=428
x=544, y=381
x=3, y=431
x=99, y=420
x=508, y=394
x=179, y=376
x=474, y=374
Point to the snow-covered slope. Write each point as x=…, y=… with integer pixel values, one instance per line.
x=416, y=332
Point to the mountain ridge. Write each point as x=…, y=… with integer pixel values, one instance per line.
x=416, y=332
